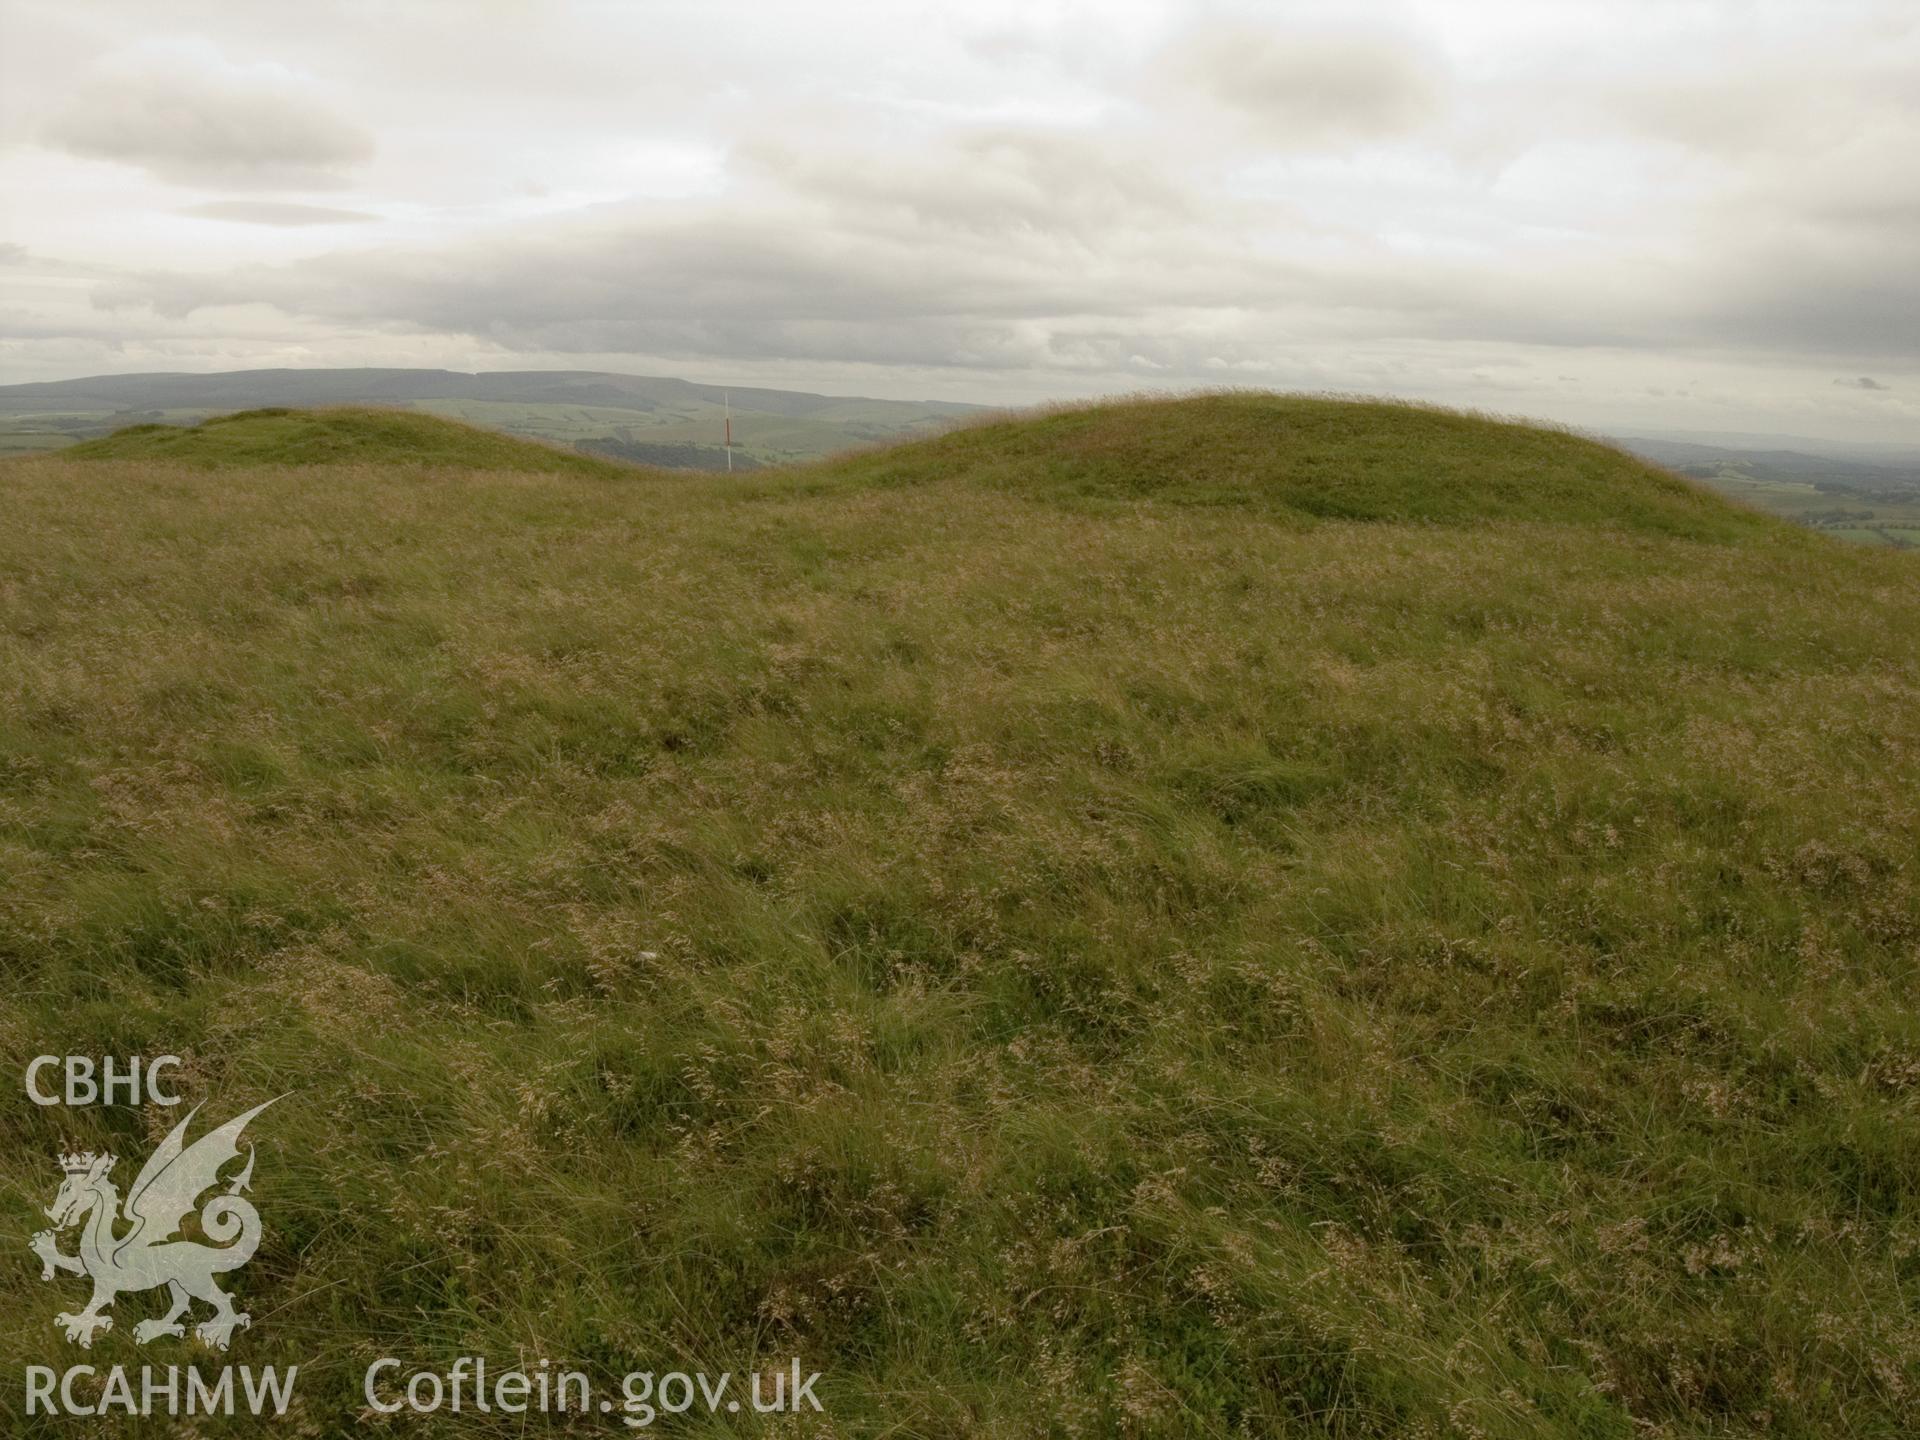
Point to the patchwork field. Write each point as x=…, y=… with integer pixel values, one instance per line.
x=1869, y=500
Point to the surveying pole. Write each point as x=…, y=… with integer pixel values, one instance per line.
x=726, y=398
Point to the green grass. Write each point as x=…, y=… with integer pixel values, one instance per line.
x=1242, y=916
x=1300, y=459
x=343, y=436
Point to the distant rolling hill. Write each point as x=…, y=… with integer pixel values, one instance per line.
x=1859, y=493
x=340, y=435
x=648, y=419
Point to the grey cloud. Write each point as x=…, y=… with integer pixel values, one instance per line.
x=206, y=127
x=1305, y=89
x=993, y=181
x=1004, y=248
x=863, y=262
x=725, y=283
x=15, y=256
x=851, y=272
x=1862, y=193
x=755, y=283
x=1736, y=113
x=1767, y=101
x=1863, y=382
x=269, y=212
x=1830, y=294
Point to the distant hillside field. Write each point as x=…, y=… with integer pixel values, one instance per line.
x=1240, y=916
x=657, y=421
x=1873, y=500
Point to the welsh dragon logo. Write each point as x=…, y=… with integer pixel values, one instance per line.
x=146, y=1256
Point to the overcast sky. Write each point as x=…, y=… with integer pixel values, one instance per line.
x=1695, y=215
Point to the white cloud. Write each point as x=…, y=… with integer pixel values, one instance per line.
x=275, y=212
x=182, y=114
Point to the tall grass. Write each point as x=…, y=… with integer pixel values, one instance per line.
x=1240, y=917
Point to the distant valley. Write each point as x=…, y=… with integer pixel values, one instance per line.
x=1866, y=494
x=645, y=419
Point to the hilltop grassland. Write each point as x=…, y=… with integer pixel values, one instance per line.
x=661, y=420
x=341, y=435
x=1238, y=916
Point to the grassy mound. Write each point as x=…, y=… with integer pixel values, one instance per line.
x=1058, y=926
x=345, y=436
x=1304, y=458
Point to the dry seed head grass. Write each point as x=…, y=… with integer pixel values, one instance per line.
x=1064, y=947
